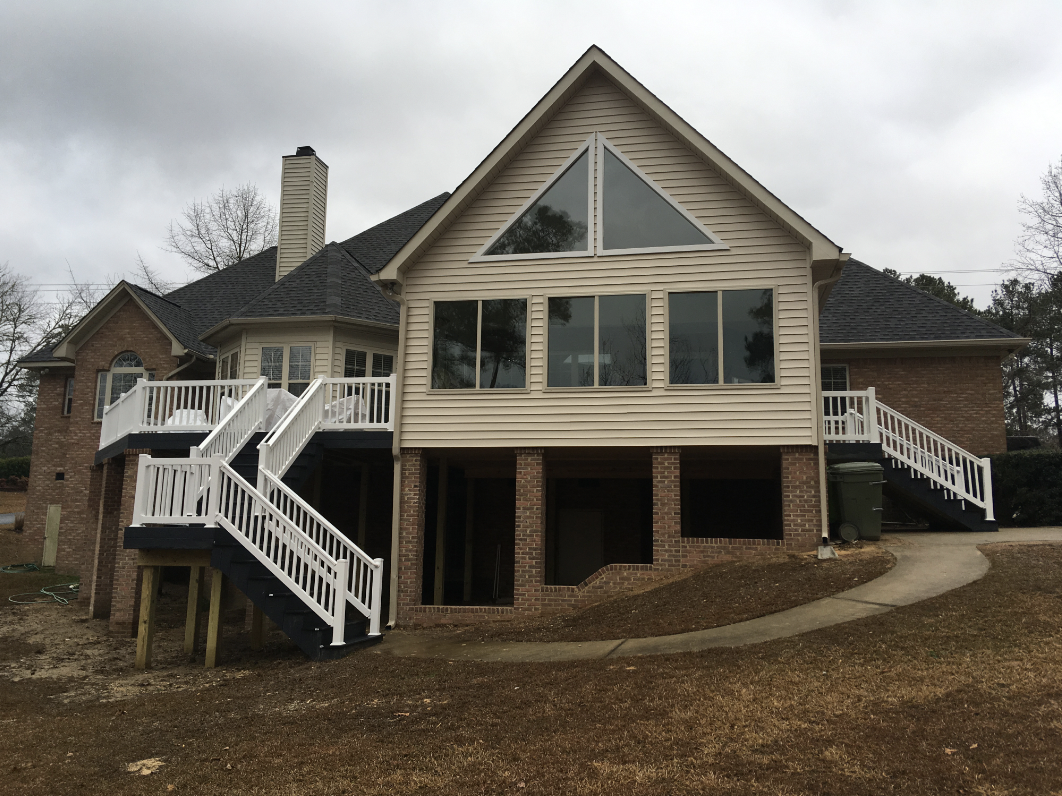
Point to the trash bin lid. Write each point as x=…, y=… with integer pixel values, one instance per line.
x=838, y=472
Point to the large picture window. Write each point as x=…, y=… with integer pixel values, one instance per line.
x=479, y=344
x=294, y=378
x=597, y=341
x=121, y=378
x=721, y=337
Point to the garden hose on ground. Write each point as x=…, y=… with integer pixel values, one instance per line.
x=16, y=569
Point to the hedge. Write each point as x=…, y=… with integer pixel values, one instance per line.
x=1027, y=487
x=17, y=467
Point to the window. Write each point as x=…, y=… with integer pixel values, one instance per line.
x=121, y=378
x=721, y=337
x=382, y=365
x=229, y=366
x=633, y=213
x=297, y=373
x=834, y=378
x=597, y=341
x=479, y=344
x=353, y=364
x=68, y=396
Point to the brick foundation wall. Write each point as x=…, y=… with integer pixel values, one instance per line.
x=125, y=594
x=108, y=534
x=530, y=530
x=801, y=503
x=435, y=615
x=606, y=582
x=960, y=397
x=68, y=444
x=701, y=551
x=667, y=508
x=411, y=507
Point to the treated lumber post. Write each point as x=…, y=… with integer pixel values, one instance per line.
x=257, y=629
x=470, y=529
x=192, y=614
x=146, y=632
x=440, y=534
x=217, y=582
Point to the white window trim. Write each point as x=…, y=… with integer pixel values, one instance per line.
x=149, y=375
x=587, y=146
x=596, y=386
x=369, y=354
x=477, y=390
x=603, y=144
x=285, y=360
x=847, y=373
x=721, y=385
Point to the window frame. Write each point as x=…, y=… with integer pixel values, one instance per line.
x=225, y=363
x=482, y=257
x=285, y=359
x=68, y=396
x=477, y=390
x=104, y=387
x=847, y=376
x=719, y=290
x=596, y=295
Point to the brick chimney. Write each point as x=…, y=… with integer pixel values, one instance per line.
x=303, y=200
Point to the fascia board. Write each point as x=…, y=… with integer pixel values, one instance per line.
x=990, y=344
x=50, y=363
x=293, y=320
x=822, y=248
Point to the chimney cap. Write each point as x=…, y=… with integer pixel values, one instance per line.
x=304, y=151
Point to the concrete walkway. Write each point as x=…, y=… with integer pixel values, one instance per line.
x=927, y=564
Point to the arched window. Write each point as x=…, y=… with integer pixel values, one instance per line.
x=120, y=379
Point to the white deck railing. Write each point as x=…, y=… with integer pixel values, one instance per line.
x=859, y=417
x=237, y=426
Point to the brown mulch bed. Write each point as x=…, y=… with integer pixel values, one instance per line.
x=958, y=694
x=721, y=594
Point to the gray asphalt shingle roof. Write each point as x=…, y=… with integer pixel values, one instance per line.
x=375, y=247
x=867, y=306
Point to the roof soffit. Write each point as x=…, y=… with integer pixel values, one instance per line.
x=821, y=248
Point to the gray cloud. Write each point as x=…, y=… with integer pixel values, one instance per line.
x=904, y=131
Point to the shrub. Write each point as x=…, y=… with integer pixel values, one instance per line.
x=17, y=467
x=1027, y=487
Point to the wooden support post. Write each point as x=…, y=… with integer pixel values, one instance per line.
x=192, y=614
x=363, y=506
x=470, y=530
x=440, y=534
x=257, y=630
x=146, y=632
x=217, y=582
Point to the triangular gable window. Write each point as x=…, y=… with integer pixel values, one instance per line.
x=556, y=220
x=636, y=215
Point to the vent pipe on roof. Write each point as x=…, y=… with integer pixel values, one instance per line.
x=303, y=201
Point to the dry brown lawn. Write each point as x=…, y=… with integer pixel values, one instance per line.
x=959, y=694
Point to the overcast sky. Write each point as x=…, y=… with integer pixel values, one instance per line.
x=904, y=131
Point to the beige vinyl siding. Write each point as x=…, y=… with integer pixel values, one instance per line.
x=303, y=204
x=761, y=255
x=370, y=341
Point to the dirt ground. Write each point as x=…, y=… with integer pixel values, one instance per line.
x=958, y=694
x=12, y=501
x=717, y=595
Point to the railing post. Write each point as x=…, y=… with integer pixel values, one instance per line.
x=141, y=399
x=339, y=612
x=377, y=597
x=871, y=410
x=213, y=507
x=986, y=485
x=140, y=495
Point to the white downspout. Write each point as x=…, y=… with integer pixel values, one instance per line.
x=816, y=377
x=396, y=453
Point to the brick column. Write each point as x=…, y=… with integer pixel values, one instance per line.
x=801, y=506
x=667, y=508
x=410, y=562
x=107, y=533
x=530, y=530
x=125, y=596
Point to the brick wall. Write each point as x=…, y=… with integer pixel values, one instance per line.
x=108, y=534
x=125, y=593
x=69, y=443
x=960, y=398
x=801, y=503
x=667, y=508
x=530, y=530
x=411, y=507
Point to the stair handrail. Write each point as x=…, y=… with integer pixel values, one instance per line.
x=284, y=443
x=967, y=476
x=365, y=585
x=290, y=555
x=237, y=427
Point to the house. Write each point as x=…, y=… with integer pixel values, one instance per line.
x=609, y=354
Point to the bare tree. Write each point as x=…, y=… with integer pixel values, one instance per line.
x=224, y=229
x=1039, y=246
x=150, y=278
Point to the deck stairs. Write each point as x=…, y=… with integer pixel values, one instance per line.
x=920, y=467
x=323, y=591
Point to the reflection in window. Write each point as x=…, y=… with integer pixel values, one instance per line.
x=273, y=365
x=693, y=338
x=748, y=336
x=557, y=222
x=571, y=342
x=453, y=351
x=621, y=341
x=635, y=216
x=503, y=344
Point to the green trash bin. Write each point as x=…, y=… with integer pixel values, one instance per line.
x=856, y=492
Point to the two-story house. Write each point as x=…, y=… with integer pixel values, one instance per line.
x=608, y=355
